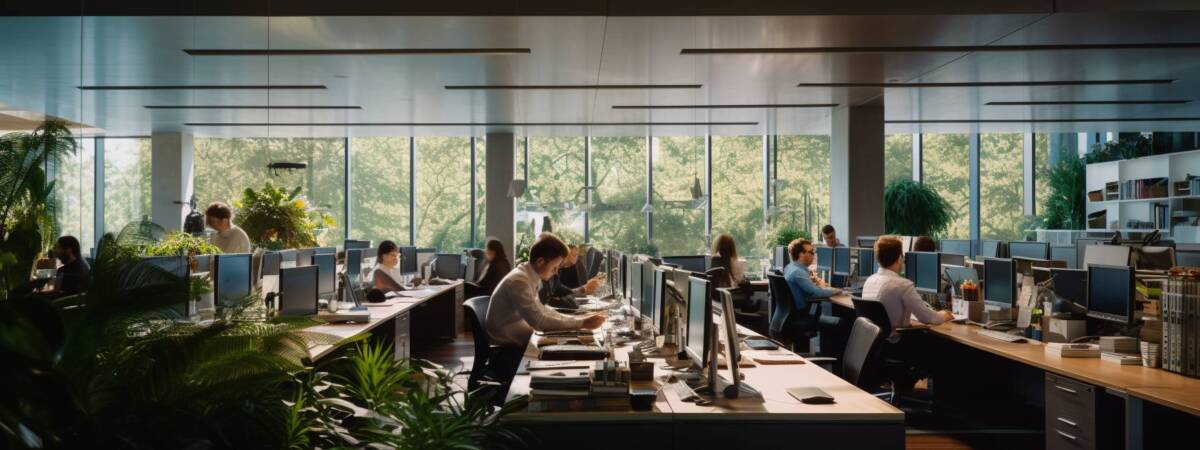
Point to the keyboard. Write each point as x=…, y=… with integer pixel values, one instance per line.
x=684, y=391
x=1001, y=336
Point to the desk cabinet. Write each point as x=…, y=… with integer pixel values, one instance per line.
x=1081, y=416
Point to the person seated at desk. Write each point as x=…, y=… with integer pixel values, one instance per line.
x=724, y=255
x=386, y=274
x=572, y=274
x=495, y=270
x=229, y=237
x=74, y=275
x=829, y=235
x=805, y=286
x=898, y=294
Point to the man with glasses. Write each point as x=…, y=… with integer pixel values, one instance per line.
x=803, y=283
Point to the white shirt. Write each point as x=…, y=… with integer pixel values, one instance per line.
x=232, y=240
x=515, y=311
x=900, y=298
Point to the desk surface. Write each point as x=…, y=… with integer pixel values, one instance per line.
x=842, y=300
x=379, y=315
x=1157, y=385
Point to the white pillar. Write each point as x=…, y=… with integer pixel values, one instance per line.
x=170, y=178
x=856, y=171
x=501, y=209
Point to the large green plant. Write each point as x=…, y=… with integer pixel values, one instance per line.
x=275, y=218
x=1064, y=209
x=27, y=197
x=1123, y=148
x=179, y=243
x=914, y=209
x=785, y=235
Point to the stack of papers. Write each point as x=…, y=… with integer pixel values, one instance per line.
x=1073, y=350
x=1118, y=344
x=560, y=383
x=1121, y=358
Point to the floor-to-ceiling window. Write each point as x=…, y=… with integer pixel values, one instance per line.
x=737, y=197
x=443, y=193
x=126, y=182
x=897, y=157
x=619, y=176
x=679, y=202
x=555, y=186
x=802, y=186
x=481, y=192
x=946, y=169
x=1001, y=186
x=74, y=193
x=379, y=189
x=224, y=168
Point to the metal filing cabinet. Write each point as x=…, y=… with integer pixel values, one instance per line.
x=403, y=335
x=1070, y=414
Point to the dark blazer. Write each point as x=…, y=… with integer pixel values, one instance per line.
x=492, y=274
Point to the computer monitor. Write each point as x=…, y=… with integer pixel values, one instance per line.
x=1106, y=255
x=680, y=277
x=956, y=246
x=326, y=273
x=408, y=260
x=691, y=263
x=287, y=258
x=954, y=259
x=841, y=261
x=270, y=263
x=780, y=257
x=657, y=314
x=625, y=277
x=1110, y=293
x=447, y=266
x=635, y=285
x=699, y=320
x=647, y=303
x=354, y=260
x=866, y=262
x=231, y=278
x=999, y=281
x=825, y=258
x=204, y=263
x=325, y=251
x=866, y=241
x=1029, y=249
x=1066, y=254
x=1070, y=284
x=174, y=265
x=304, y=256
x=929, y=271
x=424, y=259
x=990, y=249
x=298, y=291
x=356, y=244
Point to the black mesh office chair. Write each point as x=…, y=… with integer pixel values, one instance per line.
x=892, y=366
x=797, y=325
x=474, y=312
x=858, y=363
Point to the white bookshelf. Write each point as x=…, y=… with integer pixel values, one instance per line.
x=1173, y=166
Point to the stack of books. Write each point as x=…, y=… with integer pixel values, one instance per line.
x=604, y=387
x=1118, y=344
x=1180, y=309
x=560, y=383
x=1066, y=350
x=1123, y=359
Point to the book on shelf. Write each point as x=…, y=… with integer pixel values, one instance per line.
x=1144, y=188
x=1180, y=315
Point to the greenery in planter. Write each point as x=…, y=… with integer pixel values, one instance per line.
x=1124, y=148
x=180, y=243
x=1064, y=209
x=914, y=209
x=27, y=198
x=785, y=235
x=275, y=218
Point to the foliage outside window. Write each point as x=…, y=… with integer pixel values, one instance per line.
x=737, y=200
x=803, y=190
x=946, y=170
x=897, y=157
x=127, y=181
x=379, y=186
x=619, y=175
x=443, y=193
x=74, y=194
x=678, y=164
x=554, y=189
x=1001, y=186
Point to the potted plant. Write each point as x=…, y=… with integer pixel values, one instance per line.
x=914, y=209
x=276, y=219
x=180, y=243
x=785, y=235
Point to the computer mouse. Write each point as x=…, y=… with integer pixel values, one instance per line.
x=817, y=400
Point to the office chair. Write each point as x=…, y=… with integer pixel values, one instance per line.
x=502, y=366
x=719, y=277
x=474, y=312
x=595, y=260
x=858, y=361
x=891, y=366
x=791, y=324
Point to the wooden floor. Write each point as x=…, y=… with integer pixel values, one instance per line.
x=458, y=355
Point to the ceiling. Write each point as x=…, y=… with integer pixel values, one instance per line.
x=47, y=59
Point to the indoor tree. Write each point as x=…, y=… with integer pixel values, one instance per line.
x=914, y=209
x=1064, y=207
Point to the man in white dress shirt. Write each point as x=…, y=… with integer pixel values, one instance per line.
x=898, y=294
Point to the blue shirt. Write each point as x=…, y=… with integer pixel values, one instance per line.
x=800, y=282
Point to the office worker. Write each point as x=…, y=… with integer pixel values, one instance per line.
x=805, y=286
x=572, y=273
x=924, y=244
x=829, y=235
x=497, y=266
x=229, y=237
x=898, y=294
x=386, y=274
x=514, y=311
x=724, y=255
x=74, y=275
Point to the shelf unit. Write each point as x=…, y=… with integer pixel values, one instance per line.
x=1174, y=166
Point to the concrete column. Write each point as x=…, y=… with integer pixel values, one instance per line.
x=856, y=172
x=501, y=209
x=170, y=178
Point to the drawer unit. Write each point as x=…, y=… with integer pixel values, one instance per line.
x=1070, y=413
x=403, y=344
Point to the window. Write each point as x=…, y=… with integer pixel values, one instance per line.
x=737, y=192
x=679, y=205
x=74, y=190
x=379, y=187
x=555, y=189
x=897, y=157
x=481, y=192
x=619, y=175
x=1001, y=186
x=946, y=170
x=802, y=190
x=224, y=168
x=126, y=182
x=443, y=193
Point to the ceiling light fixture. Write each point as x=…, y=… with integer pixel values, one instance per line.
x=745, y=106
x=939, y=48
x=988, y=83
x=1085, y=120
x=199, y=87
x=1090, y=102
x=477, y=87
x=355, y=51
x=457, y=124
x=247, y=107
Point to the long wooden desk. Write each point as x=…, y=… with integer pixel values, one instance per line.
x=415, y=320
x=856, y=420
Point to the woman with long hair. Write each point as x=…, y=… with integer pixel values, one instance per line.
x=497, y=267
x=724, y=255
